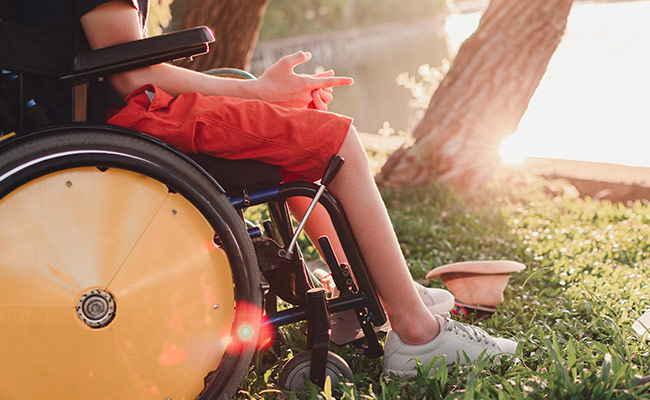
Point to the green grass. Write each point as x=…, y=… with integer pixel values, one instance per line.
x=588, y=267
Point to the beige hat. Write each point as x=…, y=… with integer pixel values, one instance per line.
x=477, y=282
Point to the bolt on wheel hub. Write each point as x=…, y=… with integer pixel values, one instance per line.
x=96, y=308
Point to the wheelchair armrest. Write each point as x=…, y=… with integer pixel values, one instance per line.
x=139, y=53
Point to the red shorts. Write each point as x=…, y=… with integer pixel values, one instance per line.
x=299, y=141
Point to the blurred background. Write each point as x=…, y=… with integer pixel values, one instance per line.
x=595, y=88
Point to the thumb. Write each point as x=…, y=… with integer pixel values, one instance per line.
x=297, y=58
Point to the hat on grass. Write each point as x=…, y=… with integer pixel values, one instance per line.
x=477, y=282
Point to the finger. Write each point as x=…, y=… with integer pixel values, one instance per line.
x=325, y=96
x=331, y=82
x=324, y=74
x=318, y=102
x=292, y=60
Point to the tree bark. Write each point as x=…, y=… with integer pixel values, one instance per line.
x=235, y=25
x=483, y=96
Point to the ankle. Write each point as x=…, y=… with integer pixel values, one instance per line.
x=424, y=331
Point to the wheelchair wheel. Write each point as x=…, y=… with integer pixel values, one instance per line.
x=111, y=284
x=296, y=370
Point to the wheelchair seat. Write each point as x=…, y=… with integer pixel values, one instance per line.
x=237, y=175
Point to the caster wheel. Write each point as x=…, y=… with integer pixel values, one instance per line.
x=296, y=370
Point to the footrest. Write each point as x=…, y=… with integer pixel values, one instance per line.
x=346, y=328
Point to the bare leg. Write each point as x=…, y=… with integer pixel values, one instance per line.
x=355, y=188
x=318, y=224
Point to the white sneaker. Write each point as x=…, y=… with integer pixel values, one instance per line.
x=438, y=301
x=454, y=339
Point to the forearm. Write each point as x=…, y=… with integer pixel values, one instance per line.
x=118, y=22
x=176, y=80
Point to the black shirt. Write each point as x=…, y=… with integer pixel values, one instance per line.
x=64, y=16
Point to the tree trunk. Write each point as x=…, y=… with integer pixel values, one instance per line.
x=483, y=96
x=235, y=24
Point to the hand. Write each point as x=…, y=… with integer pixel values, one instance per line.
x=321, y=97
x=279, y=84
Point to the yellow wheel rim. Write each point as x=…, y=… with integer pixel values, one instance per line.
x=67, y=233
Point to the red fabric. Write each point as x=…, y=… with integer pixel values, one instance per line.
x=299, y=141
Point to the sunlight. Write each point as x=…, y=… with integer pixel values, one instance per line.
x=512, y=150
x=592, y=103
x=459, y=27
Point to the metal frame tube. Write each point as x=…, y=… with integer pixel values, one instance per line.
x=283, y=191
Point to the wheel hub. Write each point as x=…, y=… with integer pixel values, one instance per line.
x=96, y=308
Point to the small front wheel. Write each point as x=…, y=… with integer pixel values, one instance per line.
x=296, y=370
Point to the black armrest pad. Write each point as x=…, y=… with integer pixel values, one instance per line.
x=140, y=53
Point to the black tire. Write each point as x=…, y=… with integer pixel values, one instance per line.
x=292, y=376
x=109, y=148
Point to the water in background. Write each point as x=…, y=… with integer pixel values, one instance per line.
x=591, y=105
x=375, y=96
x=373, y=57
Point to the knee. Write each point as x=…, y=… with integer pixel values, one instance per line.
x=352, y=149
x=353, y=131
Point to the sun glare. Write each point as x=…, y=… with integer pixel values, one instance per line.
x=512, y=150
x=592, y=103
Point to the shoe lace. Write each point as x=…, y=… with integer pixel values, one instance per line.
x=471, y=331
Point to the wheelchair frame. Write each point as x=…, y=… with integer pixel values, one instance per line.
x=356, y=289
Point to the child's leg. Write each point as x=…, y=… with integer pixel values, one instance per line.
x=355, y=188
x=318, y=224
x=416, y=333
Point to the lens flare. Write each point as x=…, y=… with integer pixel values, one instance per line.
x=250, y=329
x=267, y=335
x=244, y=333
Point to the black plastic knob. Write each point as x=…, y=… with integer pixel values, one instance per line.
x=335, y=164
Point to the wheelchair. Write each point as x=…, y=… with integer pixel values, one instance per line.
x=128, y=271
